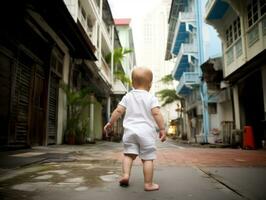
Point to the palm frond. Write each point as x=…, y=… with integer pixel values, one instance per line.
x=168, y=96
x=118, y=55
x=167, y=79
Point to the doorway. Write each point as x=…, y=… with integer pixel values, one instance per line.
x=37, y=131
x=251, y=105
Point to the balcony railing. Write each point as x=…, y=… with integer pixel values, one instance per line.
x=184, y=50
x=83, y=22
x=107, y=35
x=97, y=5
x=188, y=79
x=186, y=16
x=106, y=70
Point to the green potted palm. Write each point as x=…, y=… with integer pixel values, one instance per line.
x=78, y=102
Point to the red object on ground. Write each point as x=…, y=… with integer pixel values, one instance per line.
x=248, y=139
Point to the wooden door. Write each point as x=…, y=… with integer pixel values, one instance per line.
x=53, y=108
x=5, y=88
x=38, y=122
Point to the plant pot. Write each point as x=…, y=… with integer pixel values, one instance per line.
x=71, y=139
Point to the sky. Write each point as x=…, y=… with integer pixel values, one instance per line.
x=135, y=10
x=130, y=8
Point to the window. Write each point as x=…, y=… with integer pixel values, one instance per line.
x=147, y=32
x=252, y=12
x=255, y=9
x=56, y=61
x=237, y=29
x=212, y=108
x=229, y=36
x=233, y=32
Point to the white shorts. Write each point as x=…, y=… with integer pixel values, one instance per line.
x=140, y=144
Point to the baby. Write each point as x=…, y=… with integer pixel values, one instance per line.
x=141, y=110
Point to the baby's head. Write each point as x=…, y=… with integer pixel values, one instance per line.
x=141, y=78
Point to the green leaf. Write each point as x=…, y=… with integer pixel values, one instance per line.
x=167, y=79
x=118, y=56
x=168, y=96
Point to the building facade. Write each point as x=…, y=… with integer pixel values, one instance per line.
x=188, y=45
x=241, y=27
x=38, y=43
x=126, y=37
x=96, y=20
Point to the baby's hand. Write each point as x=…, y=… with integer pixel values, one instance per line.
x=162, y=135
x=107, y=128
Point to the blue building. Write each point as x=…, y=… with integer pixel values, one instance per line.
x=188, y=46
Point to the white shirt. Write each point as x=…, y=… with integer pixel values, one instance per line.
x=138, y=117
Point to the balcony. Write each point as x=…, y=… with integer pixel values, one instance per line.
x=184, y=26
x=187, y=80
x=256, y=38
x=186, y=57
x=215, y=9
x=105, y=70
x=253, y=40
x=119, y=87
x=186, y=16
x=106, y=35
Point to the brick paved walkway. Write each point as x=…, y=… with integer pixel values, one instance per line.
x=172, y=155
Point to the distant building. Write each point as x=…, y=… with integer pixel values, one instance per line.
x=150, y=48
x=188, y=45
x=242, y=28
x=127, y=41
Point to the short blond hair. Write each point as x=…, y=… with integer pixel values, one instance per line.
x=141, y=77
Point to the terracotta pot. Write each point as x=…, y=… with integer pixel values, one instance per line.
x=71, y=139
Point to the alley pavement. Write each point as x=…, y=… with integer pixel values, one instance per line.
x=92, y=171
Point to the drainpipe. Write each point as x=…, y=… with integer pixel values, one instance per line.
x=108, y=107
x=92, y=118
x=112, y=57
x=204, y=99
x=203, y=85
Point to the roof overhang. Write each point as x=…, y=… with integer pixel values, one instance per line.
x=217, y=10
x=56, y=14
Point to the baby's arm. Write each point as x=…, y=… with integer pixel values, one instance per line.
x=118, y=112
x=157, y=115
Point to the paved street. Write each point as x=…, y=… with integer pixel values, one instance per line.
x=92, y=171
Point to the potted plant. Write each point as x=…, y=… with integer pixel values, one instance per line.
x=78, y=102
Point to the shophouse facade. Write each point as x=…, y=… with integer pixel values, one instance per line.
x=242, y=28
x=39, y=41
x=96, y=19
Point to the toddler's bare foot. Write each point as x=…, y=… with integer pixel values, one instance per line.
x=124, y=182
x=151, y=187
